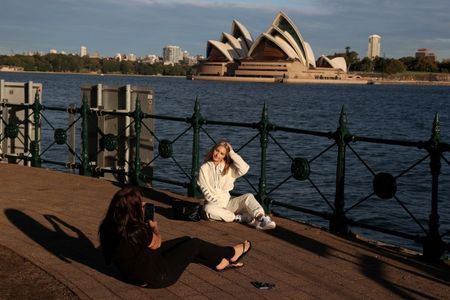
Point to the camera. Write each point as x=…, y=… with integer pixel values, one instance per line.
x=149, y=212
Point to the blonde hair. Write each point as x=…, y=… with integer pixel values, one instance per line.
x=226, y=159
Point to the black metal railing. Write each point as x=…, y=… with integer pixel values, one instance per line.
x=201, y=131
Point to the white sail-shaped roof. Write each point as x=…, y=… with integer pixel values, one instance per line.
x=278, y=41
x=274, y=31
x=335, y=63
x=240, y=32
x=283, y=22
x=310, y=55
x=226, y=50
x=339, y=63
x=235, y=43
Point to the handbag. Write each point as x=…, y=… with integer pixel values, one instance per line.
x=186, y=211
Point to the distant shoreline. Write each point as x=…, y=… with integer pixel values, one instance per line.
x=92, y=74
x=361, y=81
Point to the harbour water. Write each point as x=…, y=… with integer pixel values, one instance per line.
x=381, y=111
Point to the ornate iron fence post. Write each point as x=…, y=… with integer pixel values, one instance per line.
x=338, y=222
x=136, y=173
x=264, y=128
x=85, y=169
x=433, y=246
x=34, y=145
x=196, y=121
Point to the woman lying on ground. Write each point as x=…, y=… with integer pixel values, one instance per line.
x=136, y=248
x=222, y=166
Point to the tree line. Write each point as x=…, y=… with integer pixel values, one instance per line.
x=391, y=65
x=85, y=64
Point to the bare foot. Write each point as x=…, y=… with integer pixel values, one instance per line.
x=226, y=264
x=223, y=264
x=240, y=250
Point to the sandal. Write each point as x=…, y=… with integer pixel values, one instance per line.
x=231, y=266
x=244, y=252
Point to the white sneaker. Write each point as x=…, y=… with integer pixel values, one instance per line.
x=243, y=218
x=253, y=223
x=265, y=224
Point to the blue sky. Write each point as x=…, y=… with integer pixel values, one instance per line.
x=146, y=26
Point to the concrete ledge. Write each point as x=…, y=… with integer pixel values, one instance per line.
x=360, y=81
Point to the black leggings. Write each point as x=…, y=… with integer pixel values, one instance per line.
x=178, y=253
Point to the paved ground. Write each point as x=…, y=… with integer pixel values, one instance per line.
x=51, y=220
x=21, y=279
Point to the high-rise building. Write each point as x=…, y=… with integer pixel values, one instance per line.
x=374, y=47
x=172, y=54
x=83, y=51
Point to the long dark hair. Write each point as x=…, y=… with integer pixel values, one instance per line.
x=124, y=220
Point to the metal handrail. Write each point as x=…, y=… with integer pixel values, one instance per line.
x=384, y=184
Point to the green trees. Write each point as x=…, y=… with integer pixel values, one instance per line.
x=109, y=66
x=391, y=65
x=365, y=65
x=409, y=62
x=444, y=66
x=75, y=63
x=426, y=64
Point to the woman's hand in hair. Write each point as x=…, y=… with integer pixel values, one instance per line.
x=229, y=147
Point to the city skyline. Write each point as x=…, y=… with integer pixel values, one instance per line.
x=146, y=26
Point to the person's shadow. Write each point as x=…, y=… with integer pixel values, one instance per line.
x=70, y=246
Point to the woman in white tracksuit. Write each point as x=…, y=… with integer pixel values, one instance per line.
x=221, y=168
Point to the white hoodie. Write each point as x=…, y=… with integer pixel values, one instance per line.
x=215, y=187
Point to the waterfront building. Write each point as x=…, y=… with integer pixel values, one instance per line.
x=96, y=54
x=150, y=59
x=424, y=52
x=4, y=68
x=131, y=57
x=83, y=51
x=125, y=57
x=172, y=54
x=374, y=47
x=280, y=52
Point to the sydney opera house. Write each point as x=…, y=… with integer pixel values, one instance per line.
x=281, y=53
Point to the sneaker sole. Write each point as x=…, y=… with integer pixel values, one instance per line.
x=267, y=227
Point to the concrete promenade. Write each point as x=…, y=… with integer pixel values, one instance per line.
x=348, y=81
x=52, y=219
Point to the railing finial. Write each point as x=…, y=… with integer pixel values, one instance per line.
x=343, y=118
x=436, y=131
x=197, y=104
x=265, y=112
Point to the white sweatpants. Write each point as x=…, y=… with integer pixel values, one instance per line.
x=242, y=204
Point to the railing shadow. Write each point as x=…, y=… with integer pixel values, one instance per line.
x=372, y=268
x=76, y=247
